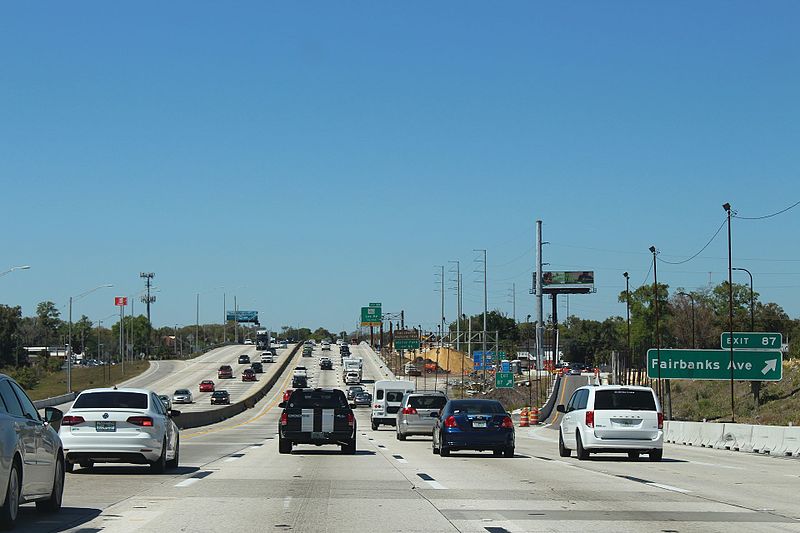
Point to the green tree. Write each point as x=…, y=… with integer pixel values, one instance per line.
x=10, y=318
x=322, y=333
x=48, y=319
x=643, y=321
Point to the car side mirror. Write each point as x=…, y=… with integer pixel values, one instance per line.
x=282, y=405
x=561, y=409
x=53, y=417
x=173, y=413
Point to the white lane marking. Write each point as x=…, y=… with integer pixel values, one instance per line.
x=717, y=466
x=187, y=482
x=286, y=502
x=561, y=462
x=669, y=487
x=231, y=459
x=435, y=485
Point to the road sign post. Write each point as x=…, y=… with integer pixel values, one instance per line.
x=504, y=380
x=748, y=365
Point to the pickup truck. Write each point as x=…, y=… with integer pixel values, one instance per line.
x=317, y=416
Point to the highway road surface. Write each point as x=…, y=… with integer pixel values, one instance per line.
x=233, y=479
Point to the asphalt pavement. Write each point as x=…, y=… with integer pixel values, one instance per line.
x=233, y=479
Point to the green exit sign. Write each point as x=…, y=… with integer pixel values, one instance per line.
x=504, y=380
x=752, y=341
x=748, y=365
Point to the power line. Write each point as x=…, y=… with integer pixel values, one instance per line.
x=701, y=249
x=771, y=214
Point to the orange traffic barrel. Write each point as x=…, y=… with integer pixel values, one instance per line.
x=523, y=418
x=534, y=416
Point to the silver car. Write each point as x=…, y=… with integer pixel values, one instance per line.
x=182, y=396
x=418, y=412
x=31, y=454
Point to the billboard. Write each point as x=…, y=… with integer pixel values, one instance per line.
x=242, y=316
x=566, y=282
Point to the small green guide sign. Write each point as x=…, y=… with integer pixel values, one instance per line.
x=748, y=365
x=504, y=380
x=751, y=341
x=371, y=316
x=406, y=339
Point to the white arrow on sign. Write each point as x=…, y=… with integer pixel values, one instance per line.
x=771, y=366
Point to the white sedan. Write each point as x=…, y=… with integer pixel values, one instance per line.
x=120, y=426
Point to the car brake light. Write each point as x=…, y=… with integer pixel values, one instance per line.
x=450, y=422
x=71, y=420
x=284, y=419
x=660, y=420
x=144, y=421
x=287, y=395
x=351, y=420
x=409, y=411
x=590, y=419
x=377, y=406
x=507, y=422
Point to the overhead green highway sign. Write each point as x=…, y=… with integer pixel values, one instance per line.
x=748, y=365
x=751, y=341
x=371, y=316
x=406, y=339
x=504, y=380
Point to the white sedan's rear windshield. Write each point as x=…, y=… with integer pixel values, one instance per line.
x=111, y=400
x=635, y=400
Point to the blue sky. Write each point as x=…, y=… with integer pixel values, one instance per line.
x=313, y=157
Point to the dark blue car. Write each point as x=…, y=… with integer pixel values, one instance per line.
x=474, y=425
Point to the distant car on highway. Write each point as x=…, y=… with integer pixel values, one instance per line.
x=363, y=398
x=182, y=396
x=474, y=425
x=257, y=367
x=249, y=375
x=299, y=382
x=248, y=341
x=326, y=346
x=352, y=391
x=220, y=397
x=25, y=436
x=267, y=357
x=326, y=364
x=206, y=386
x=612, y=419
x=339, y=428
x=418, y=412
x=120, y=426
x=300, y=371
x=225, y=372
x=244, y=359
x=166, y=400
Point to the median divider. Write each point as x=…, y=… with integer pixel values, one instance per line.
x=767, y=439
x=736, y=437
x=710, y=434
x=55, y=400
x=204, y=418
x=691, y=434
x=791, y=441
x=772, y=440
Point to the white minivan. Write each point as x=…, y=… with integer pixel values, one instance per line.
x=387, y=398
x=612, y=419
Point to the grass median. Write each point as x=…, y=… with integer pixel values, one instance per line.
x=55, y=384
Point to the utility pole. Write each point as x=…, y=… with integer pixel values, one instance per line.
x=485, y=306
x=458, y=304
x=235, y=321
x=727, y=207
x=539, y=303
x=628, y=322
x=197, y=323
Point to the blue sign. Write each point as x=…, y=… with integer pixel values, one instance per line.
x=478, y=362
x=243, y=316
x=505, y=366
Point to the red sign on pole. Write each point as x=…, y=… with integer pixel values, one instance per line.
x=120, y=301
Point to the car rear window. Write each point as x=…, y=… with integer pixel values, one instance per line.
x=310, y=399
x=111, y=400
x=427, y=402
x=219, y=394
x=477, y=407
x=394, y=396
x=635, y=400
x=182, y=391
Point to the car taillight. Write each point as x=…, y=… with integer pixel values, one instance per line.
x=351, y=420
x=450, y=422
x=284, y=419
x=660, y=420
x=144, y=421
x=409, y=411
x=286, y=395
x=71, y=420
x=507, y=423
x=377, y=406
x=590, y=419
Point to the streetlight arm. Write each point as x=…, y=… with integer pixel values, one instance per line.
x=12, y=269
x=81, y=295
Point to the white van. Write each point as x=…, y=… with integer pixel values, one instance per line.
x=386, y=400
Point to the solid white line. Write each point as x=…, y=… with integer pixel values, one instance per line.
x=669, y=487
x=187, y=482
x=435, y=485
x=231, y=459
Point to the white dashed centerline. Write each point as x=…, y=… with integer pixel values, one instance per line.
x=187, y=482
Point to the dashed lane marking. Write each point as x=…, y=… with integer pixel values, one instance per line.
x=400, y=459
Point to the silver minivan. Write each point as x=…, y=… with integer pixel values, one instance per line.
x=418, y=412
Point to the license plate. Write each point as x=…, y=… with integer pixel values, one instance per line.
x=318, y=435
x=105, y=426
x=479, y=423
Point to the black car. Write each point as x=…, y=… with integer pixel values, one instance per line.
x=362, y=398
x=326, y=364
x=299, y=382
x=220, y=397
x=244, y=359
x=332, y=420
x=353, y=390
x=257, y=367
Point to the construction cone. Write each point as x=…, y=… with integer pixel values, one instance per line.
x=534, y=416
x=523, y=418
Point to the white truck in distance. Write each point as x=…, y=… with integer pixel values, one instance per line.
x=352, y=370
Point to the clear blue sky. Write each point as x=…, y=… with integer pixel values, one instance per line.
x=312, y=157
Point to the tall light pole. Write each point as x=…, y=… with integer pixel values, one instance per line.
x=691, y=297
x=485, y=308
x=458, y=304
x=69, y=350
x=655, y=306
x=727, y=207
x=755, y=386
x=628, y=316
x=528, y=348
x=12, y=269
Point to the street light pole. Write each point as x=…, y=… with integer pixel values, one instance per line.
x=658, y=333
x=628, y=321
x=755, y=386
x=12, y=269
x=727, y=207
x=69, y=342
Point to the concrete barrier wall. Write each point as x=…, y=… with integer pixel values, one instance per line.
x=204, y=418
x=773, y=440
x=378, y=361
x=736, y=437
x=55, y=400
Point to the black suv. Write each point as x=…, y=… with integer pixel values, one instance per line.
x=257, y=367
x=326, y=364
x=244, y=359
x=332, y=421
x=299, y=382
x=220, y=397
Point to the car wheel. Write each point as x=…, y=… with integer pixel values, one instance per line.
x=435, y=448
x=374, y=426
x=87, y=464
x=173, y=463
x=563, y=451
x=579, y=449
x=349, y=448
x=8, y=513
x=69, y=466
x=284, y=446
x=508, y=452
x=159, y=465
x=497, y=453
x=633, y=456
x=656, y=455
x=400, y=436
x=53, y=503
x=444, y=451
